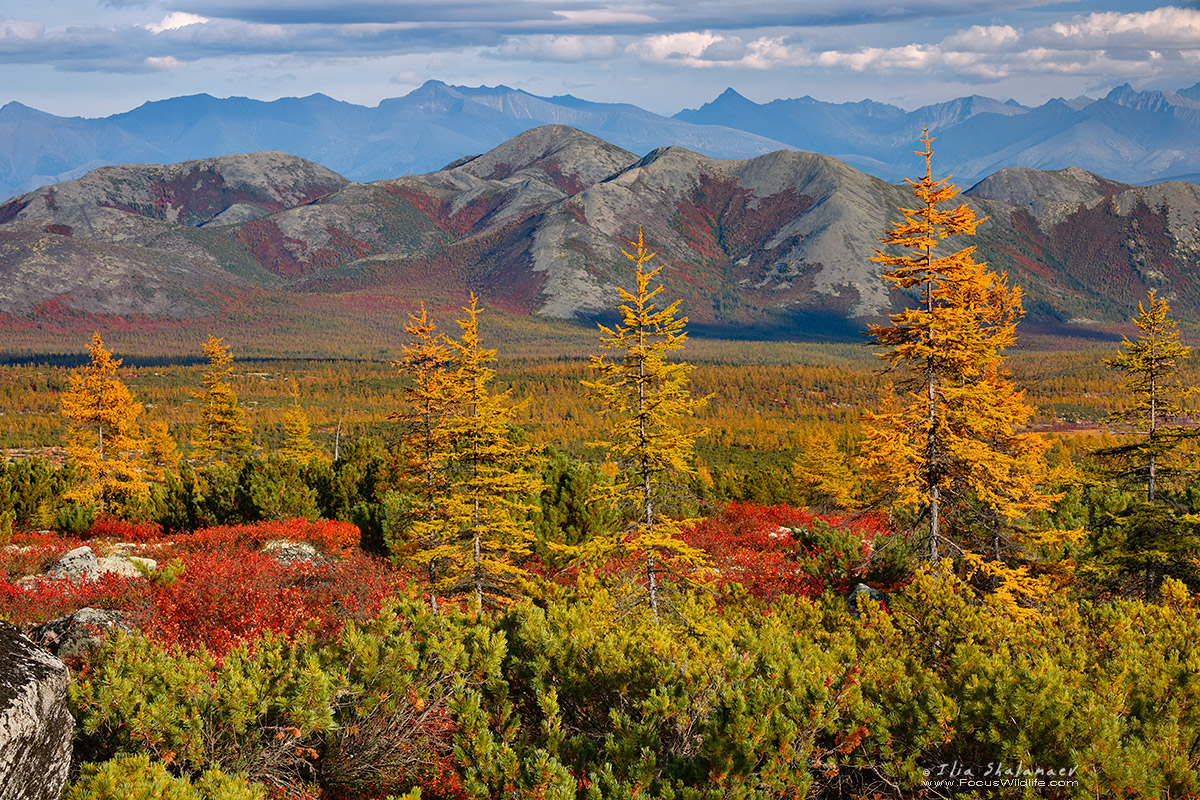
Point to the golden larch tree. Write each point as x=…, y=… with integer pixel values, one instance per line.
x=431, y=396
x=647, y=401
x=1150, y=540
x=162, y=452
x=482, y=526
x=297, y=436
x=104, y=438
x=222, y=431
x=947, y=434
x=822, y=475
x=1151, y=365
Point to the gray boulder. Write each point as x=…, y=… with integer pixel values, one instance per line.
x=36, y=728
x=285, y=551
x=77, y=563
x=77, y=633
x=860, y=591
x=124, y=565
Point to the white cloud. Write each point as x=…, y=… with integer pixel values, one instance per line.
x=1129, y=45
x=20, y=29
x=557, y=48
x=980, y=38
x=176, y=20
x=1161, y=27
x=674, y=46
x=162, y=63
x=601, y=16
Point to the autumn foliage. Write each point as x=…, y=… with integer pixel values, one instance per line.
x=839, y=603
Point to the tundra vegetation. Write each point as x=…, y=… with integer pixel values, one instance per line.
x=628, y=578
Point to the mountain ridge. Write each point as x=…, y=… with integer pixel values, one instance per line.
x=775, y=243
x=1131, y=135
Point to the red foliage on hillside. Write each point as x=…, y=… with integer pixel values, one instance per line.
x=725, y=222
x=272, y=250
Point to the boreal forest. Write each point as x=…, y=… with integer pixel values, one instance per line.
x=941, y=561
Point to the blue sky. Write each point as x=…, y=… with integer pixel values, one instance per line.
x=97, y=57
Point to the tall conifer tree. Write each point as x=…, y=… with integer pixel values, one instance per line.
x=105, y=439
x=647, y=400
x=1152, y=539
x=949, y=438
x=1150, y=365
x=297, y=436
x=482, y=526
x=222, y=431
x=431, y=394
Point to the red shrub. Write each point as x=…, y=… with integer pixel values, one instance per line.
x=754, y=545
x=38, y=603
x=329, y=536
x=32, y=553
x=106, y=527
x=220, y=601
x=223, y=598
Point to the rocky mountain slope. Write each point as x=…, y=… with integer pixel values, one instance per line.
x=777, y=245
x=143, y=239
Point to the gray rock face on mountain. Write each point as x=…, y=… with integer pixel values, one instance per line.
x=819, y=216
x=36, y=729
x=122, y=239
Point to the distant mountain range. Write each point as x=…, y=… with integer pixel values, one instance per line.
x=1137, y=137
x=1133, y=136
x=775, y=245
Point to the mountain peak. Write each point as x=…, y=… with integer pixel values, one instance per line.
x=14, y=111
x=566, y=157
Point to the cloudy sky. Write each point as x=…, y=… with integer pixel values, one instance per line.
x=97, y=57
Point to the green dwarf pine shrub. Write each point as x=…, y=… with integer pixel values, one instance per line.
x=138, y=778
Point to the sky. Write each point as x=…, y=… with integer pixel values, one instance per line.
x=97, y=57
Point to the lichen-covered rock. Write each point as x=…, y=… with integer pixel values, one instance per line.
x=285, y=551
x=124, y=565
x=77, y=563
x=77, y=633
x=36, y=729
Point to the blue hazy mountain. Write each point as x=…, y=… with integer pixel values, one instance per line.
x=417, y=133
x=1132, y=136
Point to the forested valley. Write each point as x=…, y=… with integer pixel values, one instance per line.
x=939, y=563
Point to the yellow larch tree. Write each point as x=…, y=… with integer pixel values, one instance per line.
x=647, y=401
x=947, y=434
x=222, y=431
x=822, y=475
x=297, y=437
x=162, y=452
x=431, y=397
x=297, y=443
x=104, y=438
x=1151, y=365
x=482, y=526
